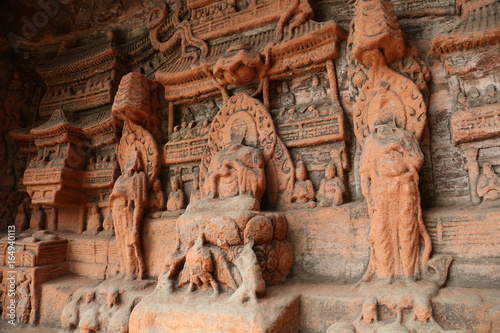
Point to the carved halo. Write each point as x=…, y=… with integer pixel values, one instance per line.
x=260, y=128
x=389, y=89
x=135, y=136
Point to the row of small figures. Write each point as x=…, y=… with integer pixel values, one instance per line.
x=331, y=191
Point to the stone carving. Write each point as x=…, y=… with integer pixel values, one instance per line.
x=275, y=156
x=473, y=123
x=182, y=31
x=24, y=293
x=94, y=223
x=32, y=269
x=138, y=156
x=38, y=218
x=196, y=194
x=157, y=200
x=303, y=192
x=389, y=166
x=212, y=110
x=387, y=124
x=176, y=197
x=332, y=188
x=128, y=202
x=187, y=116
x=186, y=143
x=220, y=233
x=317, y=91
x=22, y=221
x=199, y=268
x=108, y=225
x=249, y=87
x=102, y=308
x=488, y=184
x=389, y=116
x=297, y=13
x=287, y=98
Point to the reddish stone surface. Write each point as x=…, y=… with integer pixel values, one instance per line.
x=237, y=166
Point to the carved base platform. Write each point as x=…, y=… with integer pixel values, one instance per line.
x=291, y=307
x=180, y=312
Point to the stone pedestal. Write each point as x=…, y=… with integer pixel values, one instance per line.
x=197, y=312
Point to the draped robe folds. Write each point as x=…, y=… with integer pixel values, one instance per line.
x=127, y=202
x=236, y=170
x=389, y=177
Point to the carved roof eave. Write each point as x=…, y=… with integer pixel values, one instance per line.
x=315, y=47
x=56, y=131
x=62, y=68
x=446, y=45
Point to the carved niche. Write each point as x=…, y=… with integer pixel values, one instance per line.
x=243, y=159
x=207, y=61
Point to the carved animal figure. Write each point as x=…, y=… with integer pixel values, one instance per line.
x=199, y=267
x=251, y=273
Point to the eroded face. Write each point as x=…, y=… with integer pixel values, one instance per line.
x=385, y=130
x=301, y=173
x=330, y=172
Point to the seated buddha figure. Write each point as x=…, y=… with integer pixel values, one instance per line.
x=235, y=177
x=488, y=185
x=224, y=239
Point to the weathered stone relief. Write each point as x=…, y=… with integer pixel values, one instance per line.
x=236, y=166
x=389, y=117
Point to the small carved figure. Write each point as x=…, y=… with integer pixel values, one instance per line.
x=127, y=202
x=332, y=189
x=24, y=294
x=38, y=218
x=99, y=164
x=91, y=165
x=176, y=134
x=94, y=223
x=212, y=110
x=176, y=197
x=196, y=194
x=187, y=116
x=112, y=298
x=287, y=98
x=157, y=197
x=22, y=220
x=488, y=185
x=317, y=91
x=303, y=192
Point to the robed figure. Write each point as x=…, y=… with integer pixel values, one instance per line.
x=127, y=202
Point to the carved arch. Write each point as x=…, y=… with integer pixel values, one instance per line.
x=262, y=135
